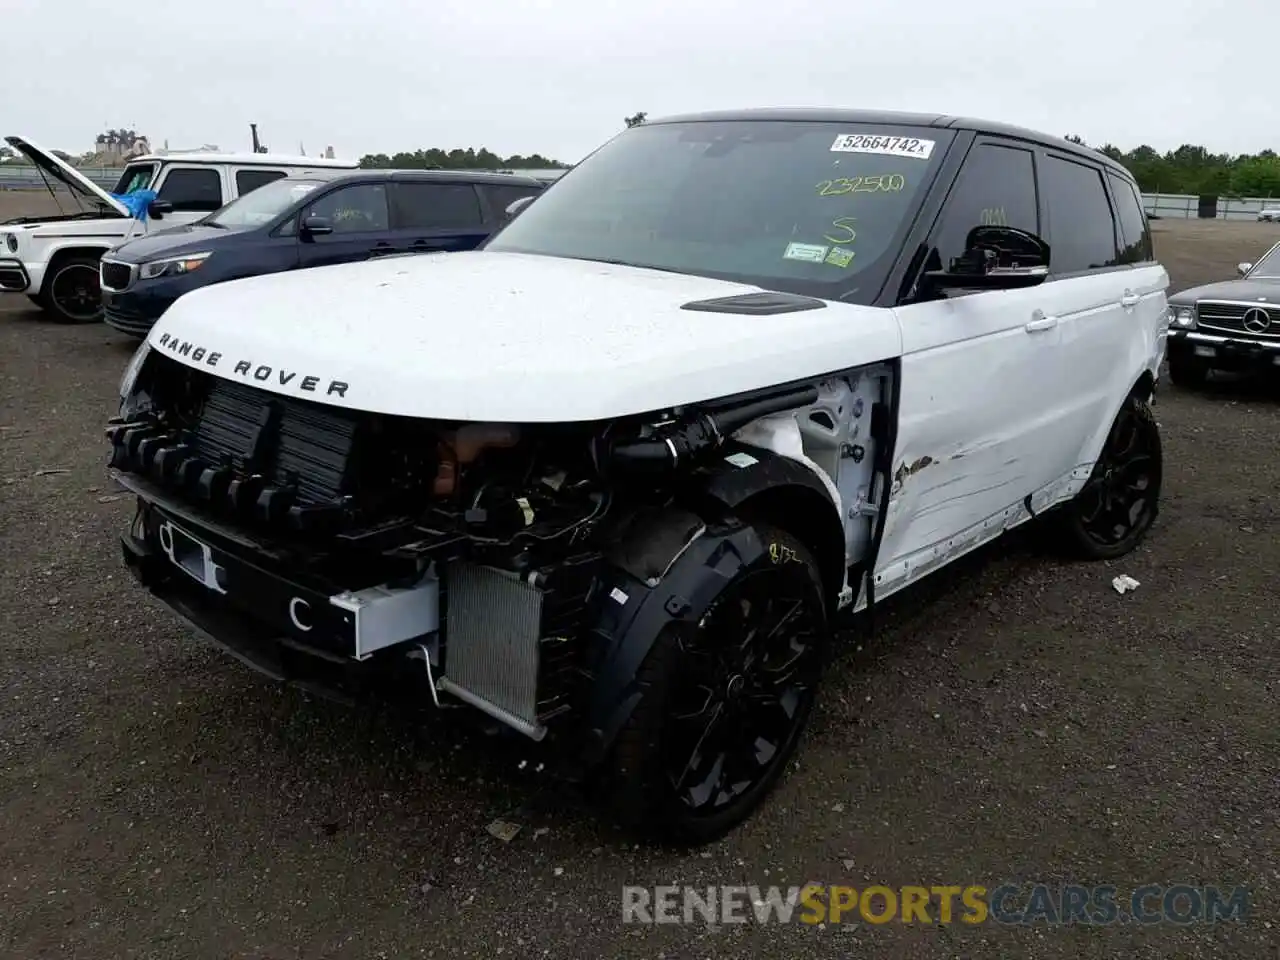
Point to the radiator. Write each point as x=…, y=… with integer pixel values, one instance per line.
x=493, y=626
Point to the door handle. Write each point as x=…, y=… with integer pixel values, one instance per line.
x=1039, y=322
x=1129, y=299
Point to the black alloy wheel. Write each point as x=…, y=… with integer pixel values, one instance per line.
x=75, y=292
x=1121, y=500
x=727, y=701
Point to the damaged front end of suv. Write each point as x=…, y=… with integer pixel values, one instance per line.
x=607, y=480
x=627, y=583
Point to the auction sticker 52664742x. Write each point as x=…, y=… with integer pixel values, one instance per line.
x=887, y=146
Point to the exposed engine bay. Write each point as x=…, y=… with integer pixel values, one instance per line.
x=485, y=551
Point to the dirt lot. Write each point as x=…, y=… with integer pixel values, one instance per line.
x=1015, y=720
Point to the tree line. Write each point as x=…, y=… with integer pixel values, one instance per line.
x=1194, y=170
x=457, y=159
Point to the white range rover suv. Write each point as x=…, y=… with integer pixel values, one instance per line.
x=54, y=259
x=611, y=479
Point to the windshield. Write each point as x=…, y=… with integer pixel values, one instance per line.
x=1268, y=266
x=136, y=176
x=263, y=204
x=816, y=208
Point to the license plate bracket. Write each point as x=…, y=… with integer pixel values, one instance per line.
x=192, y=556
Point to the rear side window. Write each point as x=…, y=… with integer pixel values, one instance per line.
x=502, y=195
x=996, y=187
x=1083, y=231
x=249, y=180
x=436, y=206
x=1135, y=232
x=192, y=189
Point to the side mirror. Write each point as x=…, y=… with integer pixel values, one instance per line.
x=158, y=208
x=514, y=208
x=995, y=258
x=1243, y=268
x=316, y=227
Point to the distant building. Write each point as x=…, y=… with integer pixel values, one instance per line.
x=116, y=149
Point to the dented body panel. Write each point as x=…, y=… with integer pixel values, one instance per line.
x=1003, y=414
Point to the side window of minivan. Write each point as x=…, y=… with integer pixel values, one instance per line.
x=996, y=187
x=1135, y=231
x=192, y=188
x=1082, y=228
x=502, y=195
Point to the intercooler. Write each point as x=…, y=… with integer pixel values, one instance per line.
x=493, y=629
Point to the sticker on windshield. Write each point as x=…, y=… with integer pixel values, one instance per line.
x=810, y=252
x=839, y=257
x=884, y=145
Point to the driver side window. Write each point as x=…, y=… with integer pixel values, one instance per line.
x=360, y=208
x=996, y=187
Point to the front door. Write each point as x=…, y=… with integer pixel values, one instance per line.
x=979, y=410
x=194, y=190
x=360, y=220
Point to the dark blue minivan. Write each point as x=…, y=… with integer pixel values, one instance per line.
x=309, y=220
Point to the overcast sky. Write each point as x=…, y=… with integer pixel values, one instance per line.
x=520, y=76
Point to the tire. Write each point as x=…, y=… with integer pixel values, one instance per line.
x=1111, y=515
x=71, y=292
x=642, y=787
x=1188, y=374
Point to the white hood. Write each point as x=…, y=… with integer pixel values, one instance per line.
x=55, y=167
x=506, y=337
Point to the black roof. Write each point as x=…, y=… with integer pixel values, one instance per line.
x=415, y=176
x=893, y=118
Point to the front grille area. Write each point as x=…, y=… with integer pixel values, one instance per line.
x=1230, y=318
x=273, y=460
x=291, y=444
x=115, y=276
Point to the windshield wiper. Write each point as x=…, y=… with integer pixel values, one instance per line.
x=627, y=263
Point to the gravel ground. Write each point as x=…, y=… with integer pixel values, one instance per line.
x=1013, y=719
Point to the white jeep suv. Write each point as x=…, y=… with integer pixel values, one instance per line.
x=54, y=259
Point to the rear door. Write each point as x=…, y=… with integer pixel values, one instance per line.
x=360, y=216
x=1100, y=301
x=194, y=190
x=437, y=217
x=248, y=179
x=978, y=404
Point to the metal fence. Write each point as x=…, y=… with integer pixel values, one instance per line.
x=1176, y=206
x=20, y=177
x=15, y=176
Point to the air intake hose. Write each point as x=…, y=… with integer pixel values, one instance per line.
x=700, y=431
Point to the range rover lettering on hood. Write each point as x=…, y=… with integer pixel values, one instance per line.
x=251, y=370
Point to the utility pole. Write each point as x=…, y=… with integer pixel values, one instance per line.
x=257, y=147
